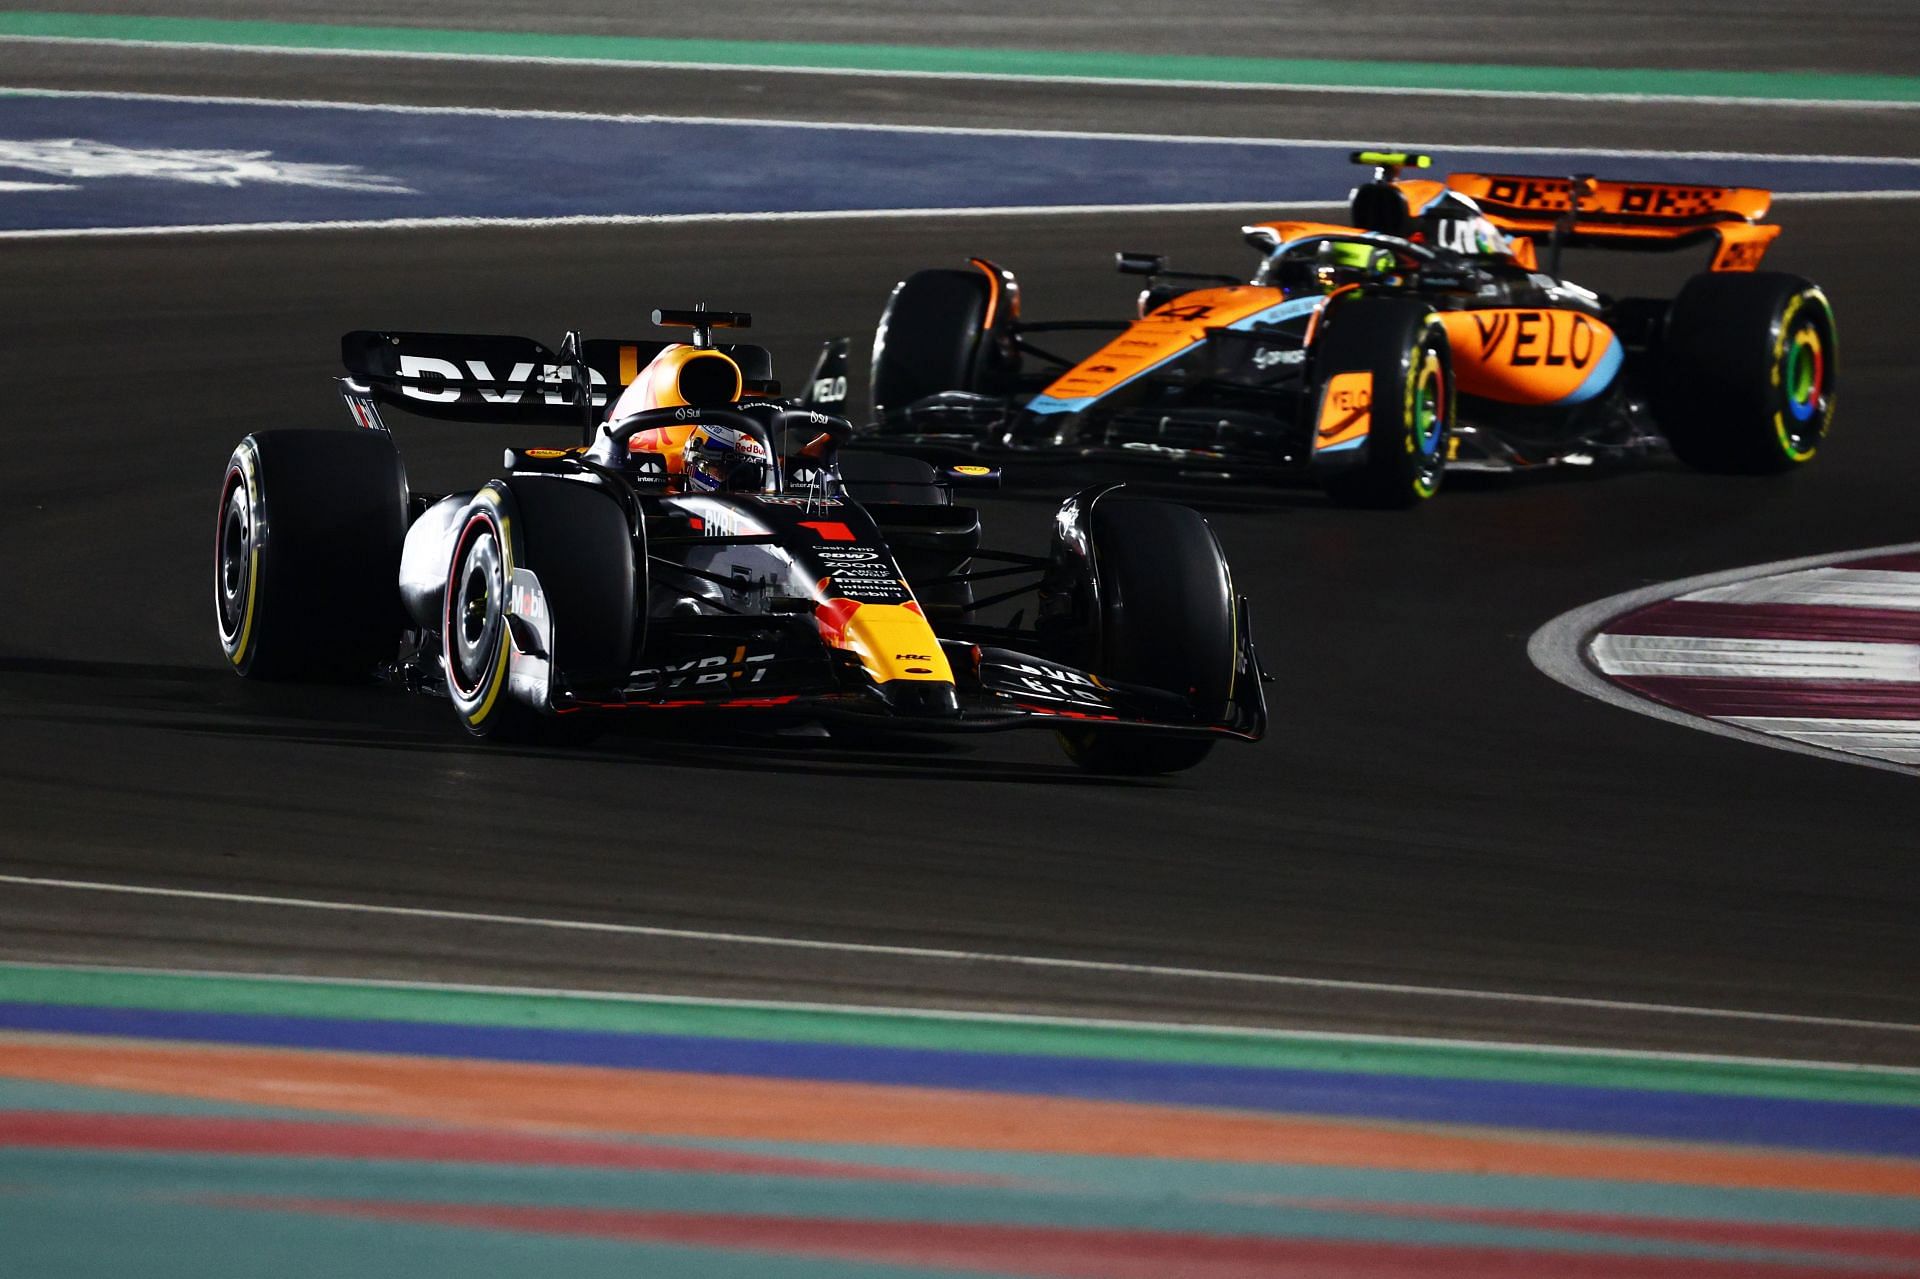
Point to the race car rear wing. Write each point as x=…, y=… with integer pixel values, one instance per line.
x=471, y=377
x=1587, y=212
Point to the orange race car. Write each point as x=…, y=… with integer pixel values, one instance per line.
x=1435, y=331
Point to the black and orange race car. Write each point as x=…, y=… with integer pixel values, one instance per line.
x=1434, y=332
x=795, y=583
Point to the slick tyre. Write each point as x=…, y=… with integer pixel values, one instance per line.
x=1747, y=373
x=1401, y=347
x=306, y=556
x=575, y=541
x=932, y=338
x=1167, y=620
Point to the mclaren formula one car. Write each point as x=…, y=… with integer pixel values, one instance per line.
x=1435, y=332
x=707, y=547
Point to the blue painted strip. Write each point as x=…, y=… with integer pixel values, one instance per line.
x=514, y=166
x=1601, y=376
x=1813, y=1125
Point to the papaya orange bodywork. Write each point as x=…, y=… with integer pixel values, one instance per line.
x=1529, y=356
x=1159, y=336
x=1346, y=411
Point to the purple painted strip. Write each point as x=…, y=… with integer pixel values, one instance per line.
x=1826, y=699
x=1770, y=621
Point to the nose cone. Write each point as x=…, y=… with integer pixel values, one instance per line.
x=920, y=698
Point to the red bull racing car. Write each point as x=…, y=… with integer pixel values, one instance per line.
x=708, y=547
x=1435, y=332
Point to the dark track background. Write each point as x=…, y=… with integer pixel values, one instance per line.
x=1428, y=810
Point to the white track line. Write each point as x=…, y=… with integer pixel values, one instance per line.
x=1710, y=657
x=949, y=956
x=209, y=46
x=1836, y=587
x=1128, y=1025
x=668, y=219
x=979, y=131
x=1557, y=650
x=813, y=215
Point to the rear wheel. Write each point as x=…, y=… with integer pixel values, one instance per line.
x=1394, y=352
x=1747, y=372
x=1167, y=620
x=932, y=338
x=307, y=555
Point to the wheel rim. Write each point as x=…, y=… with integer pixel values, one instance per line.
x=1806, y=374
x=233, y=563
x=474, y=613
x=1428, y=421
x=1805, y=377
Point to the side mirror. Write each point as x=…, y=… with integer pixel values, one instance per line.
x=1140, y=263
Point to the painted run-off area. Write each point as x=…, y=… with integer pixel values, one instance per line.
x=1825, y=657
x=166, y=1124
x=103, y=162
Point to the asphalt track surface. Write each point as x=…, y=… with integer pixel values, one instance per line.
x=1429, y=811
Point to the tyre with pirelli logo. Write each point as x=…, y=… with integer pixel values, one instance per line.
x=1383, y=402
x=306, y=548
x=1746, y=372
x=542, y=573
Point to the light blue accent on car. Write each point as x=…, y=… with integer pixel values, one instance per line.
x=1048, y=404
x=1353, y=443
x=1287, y=310
x=1601, y=377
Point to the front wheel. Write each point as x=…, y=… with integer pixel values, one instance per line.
x=1747, y=372
x=1384, y=409
x=1168, y=620
x=574, y=544
x=942, y=330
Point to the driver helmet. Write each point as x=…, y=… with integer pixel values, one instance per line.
x=723, y=459
x=1454, y=222
x=1329, y=265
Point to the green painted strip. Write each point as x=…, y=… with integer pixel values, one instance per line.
x=1027, y=63
x=79, y=1233
x=638, y=1015
x=119, y=1176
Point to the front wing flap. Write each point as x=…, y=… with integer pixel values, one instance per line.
x=999, y=689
